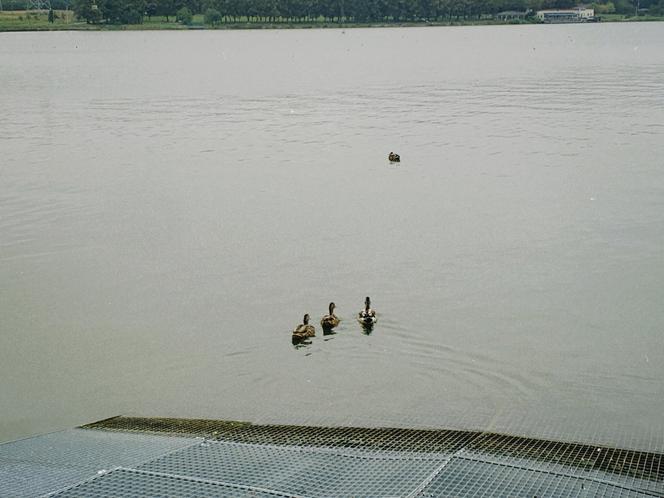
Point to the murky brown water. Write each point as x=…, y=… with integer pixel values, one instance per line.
x=171, y=204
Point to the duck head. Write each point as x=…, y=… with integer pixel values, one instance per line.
x=331, y=308
x=305, y=320
x=367, y=303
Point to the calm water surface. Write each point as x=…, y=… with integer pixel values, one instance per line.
x=171, y=204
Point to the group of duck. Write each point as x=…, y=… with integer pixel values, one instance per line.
x=366, y=317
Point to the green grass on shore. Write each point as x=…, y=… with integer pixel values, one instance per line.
x=65, y=20
x=622, y=17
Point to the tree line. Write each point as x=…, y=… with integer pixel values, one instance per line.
x=313, y=11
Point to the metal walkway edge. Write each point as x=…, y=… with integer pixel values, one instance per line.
x=148, y=457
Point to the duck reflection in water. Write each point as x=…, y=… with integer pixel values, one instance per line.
x=367, y=317
x=300, y=342
x=302, y=332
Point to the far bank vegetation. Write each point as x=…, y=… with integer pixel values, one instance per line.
x=248, y=13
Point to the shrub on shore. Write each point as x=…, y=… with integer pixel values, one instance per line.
x=184, y=16
x=212, y=17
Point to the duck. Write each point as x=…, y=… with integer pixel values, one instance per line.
x=394, y=158
x=329, y=321
x=367, y=316
x=304, y=329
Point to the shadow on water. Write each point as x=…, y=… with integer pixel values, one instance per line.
x=300, y=342
x=328, y=333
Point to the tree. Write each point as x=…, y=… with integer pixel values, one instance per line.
x=132, y=12
x=212, y=17
x=194, y=6
x=90, y=10
x=124, y=11
x=658, y=8
x=184, y=16
x=604, y=8
x=623, y=7
x=559, y=4
x=151, y=9
x=231, y=8
x=166, y=8
x=51, y=16
x=267, y=9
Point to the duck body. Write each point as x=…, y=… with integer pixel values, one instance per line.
x=329, y=321
x=367, y=316
x=304, y=330
x=394, y=158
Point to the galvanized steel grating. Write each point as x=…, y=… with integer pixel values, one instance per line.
x=412, y=440
x=47, y=463
x=18, y=479
x=91, y=449
x=474, y=478
x=299, y=470
x=539, y=452
x=135, y=484
x=123, y=457
x=635, y=469
x=370, y=462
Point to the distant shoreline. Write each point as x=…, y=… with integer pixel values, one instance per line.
x=22, y=21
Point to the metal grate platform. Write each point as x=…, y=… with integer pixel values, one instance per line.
x=134, y=457
x=44, y=464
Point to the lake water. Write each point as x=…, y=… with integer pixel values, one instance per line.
x=172, y=203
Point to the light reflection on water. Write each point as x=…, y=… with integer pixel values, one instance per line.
x=171, y=204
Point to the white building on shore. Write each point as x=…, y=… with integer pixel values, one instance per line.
x=578, y=14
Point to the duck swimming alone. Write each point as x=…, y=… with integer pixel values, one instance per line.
x=304, y=330
x=394, y=158
x=329, y=321
x=367, y=316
